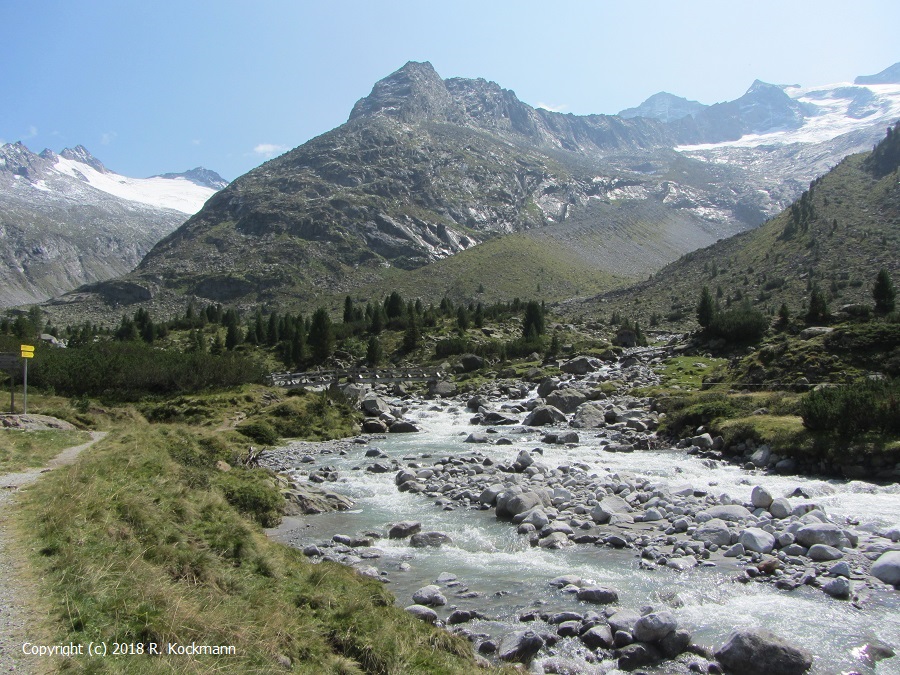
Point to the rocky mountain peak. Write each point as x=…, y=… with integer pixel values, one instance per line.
x=664, y=107
x=81, y=154
x=412, y=93
x=199, y=176
x=890, y=75
x=17, y=159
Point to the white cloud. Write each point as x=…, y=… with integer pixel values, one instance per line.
x=552, y=108
x=108, y=137
x=196, y=141
x=32, y=132
x=269, y=150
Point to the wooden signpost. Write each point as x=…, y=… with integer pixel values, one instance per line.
x=10, y=363
x=27, y=355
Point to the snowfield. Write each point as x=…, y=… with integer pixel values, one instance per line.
x=178, y=194
x=833, y=115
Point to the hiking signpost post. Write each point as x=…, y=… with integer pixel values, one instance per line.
x=9, y=361
x=27, y=354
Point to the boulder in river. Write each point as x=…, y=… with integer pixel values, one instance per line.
x=756, y=651
x=654, y=627
x=602, y=595
x=581, y=365
x=543, y=415
x=306, y=499
x=566, y=400
x=422, y=612
x=404, y=529
x=821, y=533
x=403, y=427
x=520, y=646
x=430, y=596
x=758, y=540
x=887, y=568
x=433, y=539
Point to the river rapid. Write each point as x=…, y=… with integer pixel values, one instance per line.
x=491, y=569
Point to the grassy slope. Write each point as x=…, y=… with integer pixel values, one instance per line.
x=138, y=542
x=855, y=232
x=30, y=449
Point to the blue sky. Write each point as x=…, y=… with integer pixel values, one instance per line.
x=158, y=85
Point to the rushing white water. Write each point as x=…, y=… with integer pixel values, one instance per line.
x=510, y=577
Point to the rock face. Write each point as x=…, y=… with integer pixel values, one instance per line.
x=760, y=652
x=520, y=646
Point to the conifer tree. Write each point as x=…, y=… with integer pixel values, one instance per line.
x=321, y=336
x=883, y=293
x=706, y=308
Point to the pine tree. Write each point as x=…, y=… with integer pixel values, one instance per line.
x=784, y=316
x=374, y=352
x=348, y=309
x=818, y=306
x=533, y=322
x=883, y=293
x=462, y=319
x=412, y=337
x=706, y=309
x=218, y=345
x=321, y=336
x=232, y=337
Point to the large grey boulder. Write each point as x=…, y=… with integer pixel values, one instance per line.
x=588, y=416
x=512, y=504
x=654, y=627
x=581, y=365
x=373, y=406
x=432, y=539
x=566, y=400
x=404, y=529
x=430, y=596
x=422, y=612
x=602, y=595
x=302, y=498
x=887, y=568
x=728, y=512
x=755, y=539
x=821, y=533
x=780, y=508
x=823, y=553
x=608, y=507
x=761, y=498
x=756, y=651
x=714, y=531
x=623, y=620
x=543, y=415
x=443, y=389
x=547, y=385
x=520, y=646
x=471, y=362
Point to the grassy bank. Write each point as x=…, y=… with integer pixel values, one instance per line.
x=144, y=541
x=21, y=449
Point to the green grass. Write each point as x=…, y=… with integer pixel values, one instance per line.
x=31, y=449
x=141, y=541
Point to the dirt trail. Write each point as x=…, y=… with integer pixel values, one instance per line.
x=16, y=609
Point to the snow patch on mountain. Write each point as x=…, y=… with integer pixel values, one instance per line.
x=836, y=110
x=179, y=194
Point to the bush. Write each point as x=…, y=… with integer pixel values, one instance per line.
x=741, y=325
x=260, y=431
x=849, y=410
x=251, y=491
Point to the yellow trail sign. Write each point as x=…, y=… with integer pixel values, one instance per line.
x=27, y=351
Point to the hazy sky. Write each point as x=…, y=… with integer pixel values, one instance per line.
x=162, y=85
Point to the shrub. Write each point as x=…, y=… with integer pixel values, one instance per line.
x=251, y=491
x=260, y=431
x=849, y=410
x=741, y=325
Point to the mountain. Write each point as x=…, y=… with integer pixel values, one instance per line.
x=427, y=168
x=890, y=75
x=841, y=231
x=199, y=176
x=66, y=220
x=664, y=107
